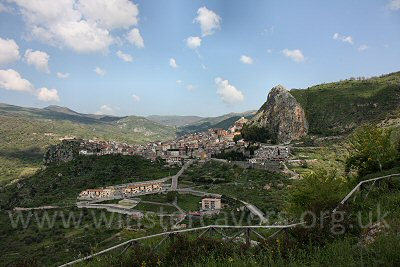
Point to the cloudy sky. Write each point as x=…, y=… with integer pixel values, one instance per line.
x=184, y=57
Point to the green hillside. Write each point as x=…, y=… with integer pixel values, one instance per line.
x=26, y=132
x=339, y=107
x=171, y=120
x=60, y=184
x=223, y=121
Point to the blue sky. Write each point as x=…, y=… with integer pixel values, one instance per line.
x=136, y=58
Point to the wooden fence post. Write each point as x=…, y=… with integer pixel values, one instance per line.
x=248, y=237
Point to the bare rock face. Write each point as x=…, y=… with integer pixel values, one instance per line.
x=282, y=115
x=63, y=152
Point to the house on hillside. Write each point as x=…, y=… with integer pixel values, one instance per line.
x=97, y=193
x=143, y=187
x=211, y=203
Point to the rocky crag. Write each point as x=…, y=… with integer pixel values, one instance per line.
x=282, y=116
x=67, y=150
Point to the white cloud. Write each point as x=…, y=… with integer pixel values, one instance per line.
x=172, y=63
x=124, y=57
x=48, y=95
x=363, y=47
x=99, y=71
x=9, y=51
x=135, y=38
x=110, y=14
x=246, y=59
x=228, y=93
x=135, y=98
x=190, y=87
x=84, y=37
x=12, y=80
x=209, y=21
x=394, y=4
x=62, y=75
x=296, y=55
x=39, y=59
x=269, y=51
x=81, y=25
x=107, y=110
x=193, y=42
x=345, y=39
x=203, y=66
x=179, y=81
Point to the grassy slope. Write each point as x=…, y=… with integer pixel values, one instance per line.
x=223, y=121
x=339, y=107
x=171, y=120
x=60, y=185
x=243, y=184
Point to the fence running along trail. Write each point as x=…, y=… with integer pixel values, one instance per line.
x=247, y=229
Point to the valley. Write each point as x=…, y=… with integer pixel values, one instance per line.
x=199, y=133
x=77, y=184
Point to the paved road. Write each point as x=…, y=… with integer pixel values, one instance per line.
x=110, y=207
x=174, y=184
x=197, y=193
x=295, y=175
x=256, y=211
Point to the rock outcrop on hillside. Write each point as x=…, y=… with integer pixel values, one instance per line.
x=66, y=151
x=282, y=116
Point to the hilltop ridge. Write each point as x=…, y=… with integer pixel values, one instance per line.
x=340, y=107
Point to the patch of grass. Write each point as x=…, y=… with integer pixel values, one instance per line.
x=189, y=202
x=150, y=207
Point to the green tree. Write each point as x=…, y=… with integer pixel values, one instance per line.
x=317, y=192
x=370, y=150
x=171, y=195
x=236, y=138
x=255, y=133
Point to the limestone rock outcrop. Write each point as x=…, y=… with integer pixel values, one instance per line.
x=282, y=116
x=66, y=151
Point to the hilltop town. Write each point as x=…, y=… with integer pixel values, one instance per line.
x=199, y=146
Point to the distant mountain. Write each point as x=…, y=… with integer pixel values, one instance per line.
x=60, y=121
x=339, y=107
x=172, y=120
x=223, y=121
x=62, y=110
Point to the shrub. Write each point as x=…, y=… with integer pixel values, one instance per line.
x=256, y=134
x=371, y=150
x=317, y=192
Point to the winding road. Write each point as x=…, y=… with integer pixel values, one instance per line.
x=174, y=184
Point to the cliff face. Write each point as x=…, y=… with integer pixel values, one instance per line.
x=282, y=115
x=66, y=151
